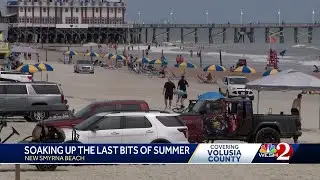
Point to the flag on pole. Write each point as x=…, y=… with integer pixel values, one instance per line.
x=282, y=53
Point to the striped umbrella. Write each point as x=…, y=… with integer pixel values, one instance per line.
x=214, y=68
x=270, y=72
x=159, y=61
x=71, y=53
x=28, y=68
x=44, y=67
x=118, y=57
x=108, y=56
x=185, y=65
x=92, y=54
x=245, y=69
x=143, y=60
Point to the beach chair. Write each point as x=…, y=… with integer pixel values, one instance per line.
x=206, y=79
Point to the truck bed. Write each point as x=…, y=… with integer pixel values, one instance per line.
x=286, y=124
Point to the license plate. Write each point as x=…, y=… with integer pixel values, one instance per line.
x=242, y=93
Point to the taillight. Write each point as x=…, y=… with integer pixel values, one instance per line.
x=144, y=107
x=30, y=77
x=184, y=131
x=62, y=98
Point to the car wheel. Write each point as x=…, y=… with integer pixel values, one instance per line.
x=251, y=98
x=220, y=91
x=46, y=167
x=38, y=116
x=267, y=135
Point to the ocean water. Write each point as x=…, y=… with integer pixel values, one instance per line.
x=301, y=56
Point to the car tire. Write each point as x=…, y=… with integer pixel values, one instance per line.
x=27, y=118
x=91, y=72
x=220, y=91
x=38, y=116
x=46, y=167
x=251, y=98
x=267, y=135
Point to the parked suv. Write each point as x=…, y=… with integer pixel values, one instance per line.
x=95, y=108
x=234, y=86
x=17, y=98
x=84, y=66
x=129, y=127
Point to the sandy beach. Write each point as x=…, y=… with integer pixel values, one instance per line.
x=106, y=84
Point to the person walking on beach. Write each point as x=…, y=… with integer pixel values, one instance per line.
x=296, y=110
x=168, y=90
x=182, y=86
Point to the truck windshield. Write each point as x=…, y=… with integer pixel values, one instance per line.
x=85, y=125
x=83, y=112
x=238, y=80
x=197, y=106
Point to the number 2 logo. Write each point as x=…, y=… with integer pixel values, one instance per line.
x=284, y=151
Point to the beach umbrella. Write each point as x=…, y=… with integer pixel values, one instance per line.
x=71, y=53
x=185, y=65
x=108, y=56
x=118, y=57
x=214, y=68
x=92, y=54
x=245, y=69
x=210, y=96
x=44, y=67
x=270, y=72
x=28, y=68
x=143, y=60
x=159, y=61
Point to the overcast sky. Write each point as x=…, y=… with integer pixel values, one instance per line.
x=193, y=11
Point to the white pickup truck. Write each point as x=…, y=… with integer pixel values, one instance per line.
x=15, y=76
x=234, y=86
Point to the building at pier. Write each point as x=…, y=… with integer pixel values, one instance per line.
x=65, y=21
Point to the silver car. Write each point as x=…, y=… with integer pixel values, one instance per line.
x=83, y=66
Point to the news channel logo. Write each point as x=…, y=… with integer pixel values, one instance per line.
x=281, y=151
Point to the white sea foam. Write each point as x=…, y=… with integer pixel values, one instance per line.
x=312, y=47
x=310, y=63
x=298, y=46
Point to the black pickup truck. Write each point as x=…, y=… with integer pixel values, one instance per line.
x=233, y=119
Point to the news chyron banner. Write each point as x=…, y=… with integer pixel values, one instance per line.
x=158, y=153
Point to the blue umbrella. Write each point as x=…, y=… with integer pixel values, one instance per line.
x=210, y=95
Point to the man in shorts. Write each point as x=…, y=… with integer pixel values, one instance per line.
x=182, y=86
x=168, y=93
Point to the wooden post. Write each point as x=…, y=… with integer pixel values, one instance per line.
x=47, y=53
x=220, y=57
x=200, y=58
x=17, y=171
x=91, y=52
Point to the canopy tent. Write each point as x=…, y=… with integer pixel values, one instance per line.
x=23, y=49
x=289, y=80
